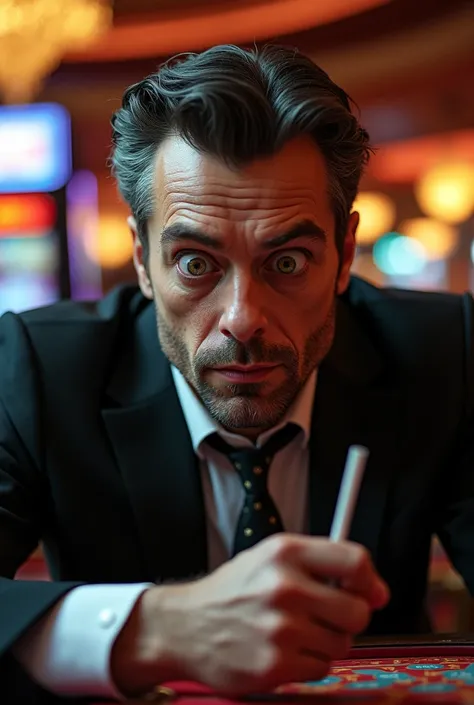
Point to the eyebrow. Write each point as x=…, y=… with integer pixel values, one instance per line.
x=181, y=231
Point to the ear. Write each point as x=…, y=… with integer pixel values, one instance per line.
x=139, y=262
x=348, y=253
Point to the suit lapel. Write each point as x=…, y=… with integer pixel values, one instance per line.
x=356, y=403
x=154, y=453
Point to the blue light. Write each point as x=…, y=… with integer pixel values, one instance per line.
x=35, y=148
x=398, y=255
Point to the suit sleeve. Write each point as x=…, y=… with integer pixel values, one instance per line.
x=456, y=525
x=24, y=498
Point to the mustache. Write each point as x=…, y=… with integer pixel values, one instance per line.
x=253, y=352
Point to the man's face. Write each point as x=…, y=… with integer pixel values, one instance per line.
x=243, y=269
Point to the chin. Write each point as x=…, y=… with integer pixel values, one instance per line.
x=256, y=391
x=237, y=412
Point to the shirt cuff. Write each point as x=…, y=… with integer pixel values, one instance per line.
x=68, y=651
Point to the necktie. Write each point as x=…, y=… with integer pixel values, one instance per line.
x=259, y=517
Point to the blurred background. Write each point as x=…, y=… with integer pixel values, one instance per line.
x=63, y=68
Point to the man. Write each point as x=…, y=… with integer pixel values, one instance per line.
x=141, y=459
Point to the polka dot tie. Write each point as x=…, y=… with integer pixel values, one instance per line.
x=259, y=517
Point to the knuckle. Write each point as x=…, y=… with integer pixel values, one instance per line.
x=282, y=593
x=280, y=548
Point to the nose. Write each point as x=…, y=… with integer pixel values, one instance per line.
x=242, y=317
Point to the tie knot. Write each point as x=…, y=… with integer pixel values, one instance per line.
x=253, y=464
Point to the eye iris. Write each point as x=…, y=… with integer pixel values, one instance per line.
x=196, y=266
x=286, y=265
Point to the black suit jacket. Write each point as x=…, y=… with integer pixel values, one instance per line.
x=96, y=460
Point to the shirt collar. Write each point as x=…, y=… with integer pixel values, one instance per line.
x=201, y=424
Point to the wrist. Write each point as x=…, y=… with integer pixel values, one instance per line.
x=142, y=656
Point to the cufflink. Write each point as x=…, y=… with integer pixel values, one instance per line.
x=107, y=618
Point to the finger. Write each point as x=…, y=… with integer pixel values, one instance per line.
x=347, y=563
x=320, y=556
x=299, y=633
x=340, y=610
x=377, y=593
x=365, y=581
x=325, y=604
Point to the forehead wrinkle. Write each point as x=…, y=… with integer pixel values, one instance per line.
x=252, y=201
x=238, y=207
x=189, y=182
x=209, y=194
x=218, y=223
x=193, y=188
x=296, y=171
x=238, y=183
x=222, y=216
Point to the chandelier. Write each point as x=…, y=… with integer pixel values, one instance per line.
x=35, y=35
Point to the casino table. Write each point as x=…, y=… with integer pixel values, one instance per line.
x=403, y=672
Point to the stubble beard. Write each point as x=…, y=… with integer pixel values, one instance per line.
x=247, y=406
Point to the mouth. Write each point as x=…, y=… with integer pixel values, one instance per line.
x=242, y=374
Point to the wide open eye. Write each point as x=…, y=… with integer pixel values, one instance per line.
x=291, y=262
x=195, y=265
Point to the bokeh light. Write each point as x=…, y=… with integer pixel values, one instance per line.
x=377, y=216
x=446, y=192
x=439, y=239
x=397, y=255
x=111, y=245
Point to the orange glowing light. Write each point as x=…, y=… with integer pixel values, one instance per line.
x=26, y=213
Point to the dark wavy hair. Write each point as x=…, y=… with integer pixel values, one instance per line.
x=237, y=105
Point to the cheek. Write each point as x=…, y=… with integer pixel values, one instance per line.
x=176, y=303
x=315, y=298
x=184, y=311
x=308, y=311
x=172, y=300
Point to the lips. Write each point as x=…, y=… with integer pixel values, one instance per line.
x=246, y=368
x=241, y=374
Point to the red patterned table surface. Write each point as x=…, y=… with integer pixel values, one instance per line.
x=413, y=680
x=406, y=678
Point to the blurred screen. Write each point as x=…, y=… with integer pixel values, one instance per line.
x=28, y=272
x=29, y=251
x=35, y=167
x=35, y=148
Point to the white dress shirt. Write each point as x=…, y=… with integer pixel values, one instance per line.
x=223, y=491
x=68, y=650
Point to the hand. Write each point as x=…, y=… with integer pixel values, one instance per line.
x=267, y=617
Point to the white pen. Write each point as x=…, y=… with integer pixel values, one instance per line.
x=348, y=492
